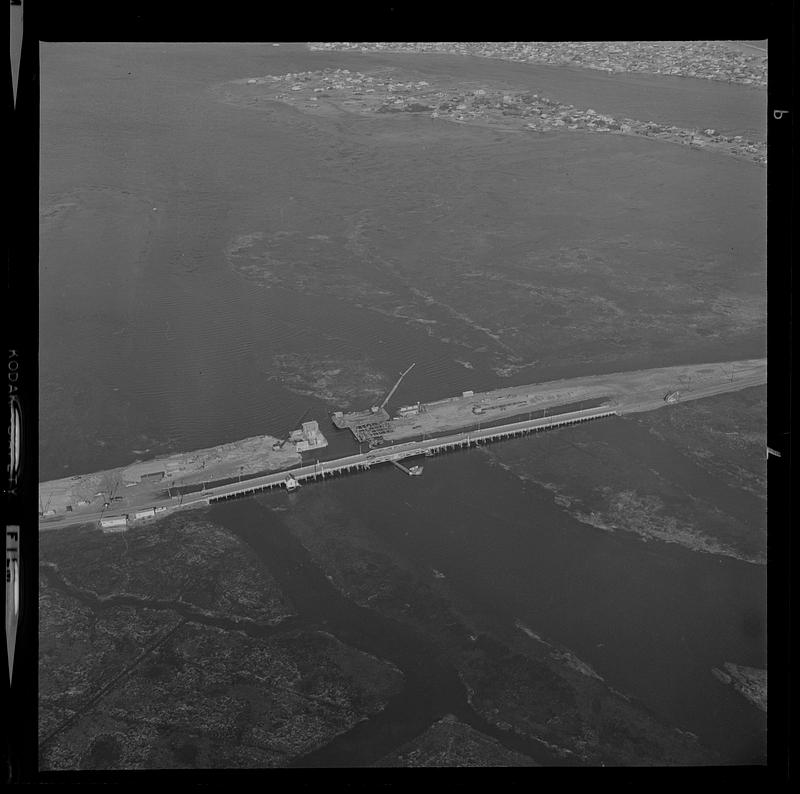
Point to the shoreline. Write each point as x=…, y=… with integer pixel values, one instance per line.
x=455, y=413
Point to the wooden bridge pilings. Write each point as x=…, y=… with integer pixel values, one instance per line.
x=434, y=446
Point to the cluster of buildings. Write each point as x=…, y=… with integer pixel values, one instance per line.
x=383, y=93
x=320, y=82
x=710, y=60
x=120, y=523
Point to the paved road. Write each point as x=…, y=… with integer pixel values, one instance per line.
x=649, y=402
x=634, y=403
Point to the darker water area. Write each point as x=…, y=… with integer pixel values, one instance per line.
x=652, y=618
x=432, y=688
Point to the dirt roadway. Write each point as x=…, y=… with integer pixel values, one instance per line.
x=128, y=488
x=627, y=392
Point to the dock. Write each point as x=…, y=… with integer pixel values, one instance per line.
x=366, y=426
x=414, y=471
x=372, y=425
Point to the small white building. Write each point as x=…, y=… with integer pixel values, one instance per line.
x=114, y=523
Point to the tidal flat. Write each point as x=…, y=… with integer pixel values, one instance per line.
x=334, y=380
x=140, y=668
x=692, y=474
x=514, y=686
x=517, y=255
x=451, y=743
x=356, y=639
x=750, y=682
x=186, y=243
x=428, y=250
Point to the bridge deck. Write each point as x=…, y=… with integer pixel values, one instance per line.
x=433, y=446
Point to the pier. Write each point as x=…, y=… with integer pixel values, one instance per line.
x=322, y=470
x=414, y=471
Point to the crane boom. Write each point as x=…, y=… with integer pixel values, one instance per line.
x=394, y=388
x=279, y=444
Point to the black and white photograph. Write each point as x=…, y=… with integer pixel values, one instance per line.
x=400, y=404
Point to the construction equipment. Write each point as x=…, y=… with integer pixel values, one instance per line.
x=376, y=408
x=279, y=444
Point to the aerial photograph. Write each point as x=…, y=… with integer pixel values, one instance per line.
x=402, y=404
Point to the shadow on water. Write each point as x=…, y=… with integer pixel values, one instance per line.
x=432, y=687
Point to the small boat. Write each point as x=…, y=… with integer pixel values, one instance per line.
x=291, y=483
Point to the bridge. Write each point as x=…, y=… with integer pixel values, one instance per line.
x=321, y=470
